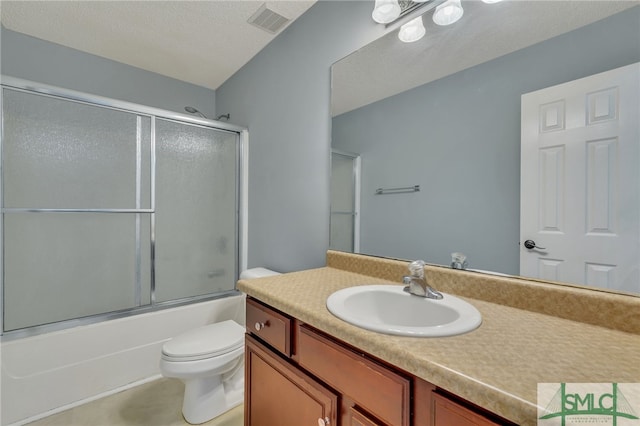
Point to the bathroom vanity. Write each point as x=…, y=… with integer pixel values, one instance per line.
x=296, y=374
x=305, y=366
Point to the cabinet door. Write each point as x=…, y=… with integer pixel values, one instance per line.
x=279, y=394
x=448, y=413
x=358, y=418
x=379, y=390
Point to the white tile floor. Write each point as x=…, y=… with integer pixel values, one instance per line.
x=156, y=403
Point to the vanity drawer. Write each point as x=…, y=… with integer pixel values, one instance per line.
x=378, y=390
x=271, y=326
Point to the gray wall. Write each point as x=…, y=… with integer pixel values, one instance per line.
x=459, y=138
x=40, y=61
x=282, y=95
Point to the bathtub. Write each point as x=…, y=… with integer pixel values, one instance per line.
x=49, y=373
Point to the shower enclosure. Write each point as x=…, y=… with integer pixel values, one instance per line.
x=111, y=208
x=345, y=202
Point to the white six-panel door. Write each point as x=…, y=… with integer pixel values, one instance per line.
x=580, y=181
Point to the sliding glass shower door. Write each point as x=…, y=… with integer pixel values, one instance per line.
x=196, y=173
x=108, y=210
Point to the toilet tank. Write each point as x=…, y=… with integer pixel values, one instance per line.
x=257, y=273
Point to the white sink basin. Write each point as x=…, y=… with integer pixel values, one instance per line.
x=390, y=310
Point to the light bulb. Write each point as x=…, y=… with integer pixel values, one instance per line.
x=491, y=1
x=412, y=30
x=448, y=12
x=385, y=11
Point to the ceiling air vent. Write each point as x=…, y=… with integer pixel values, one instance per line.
x=267, y=19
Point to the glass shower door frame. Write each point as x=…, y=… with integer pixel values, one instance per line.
x=140, y=111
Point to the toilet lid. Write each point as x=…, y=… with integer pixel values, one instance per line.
x=207, y=341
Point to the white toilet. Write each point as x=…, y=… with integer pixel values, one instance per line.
x=210, y=362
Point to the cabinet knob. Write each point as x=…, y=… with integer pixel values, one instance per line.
x=323, y=422
x=260, y=325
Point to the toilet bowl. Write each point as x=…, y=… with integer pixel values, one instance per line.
x=210, y=362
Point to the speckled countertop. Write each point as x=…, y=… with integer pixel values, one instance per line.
x=497, y=366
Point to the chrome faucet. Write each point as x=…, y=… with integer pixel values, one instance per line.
x=416, y=283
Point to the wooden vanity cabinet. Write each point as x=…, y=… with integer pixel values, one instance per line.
x=355, y=417
x=447, y=412
x=279, y=394
x=296, y=375
x=369, y=388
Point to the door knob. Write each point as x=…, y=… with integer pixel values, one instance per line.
x=530, y=244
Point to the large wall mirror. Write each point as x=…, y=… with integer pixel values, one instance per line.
x=441, y=118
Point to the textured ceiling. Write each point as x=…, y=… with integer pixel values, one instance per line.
x=486, y=31
x=201, y=42
x=205, y=42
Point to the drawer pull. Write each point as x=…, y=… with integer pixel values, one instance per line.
x=272, y=326
x=260, y=325
x=323, y=422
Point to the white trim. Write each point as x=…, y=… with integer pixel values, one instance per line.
x=1, y=223
x=357, y=170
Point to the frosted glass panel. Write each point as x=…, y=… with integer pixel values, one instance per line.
x=196, y=173
x=144, y=153
x=342, y=185
x=144, y=262
x=64, y=154
x=75, y=166
x=341, y=232
x=342, y=203
x=60, y=266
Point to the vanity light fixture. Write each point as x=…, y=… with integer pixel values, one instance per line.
x=448, y=12
x=386, y=11
x=412, y=31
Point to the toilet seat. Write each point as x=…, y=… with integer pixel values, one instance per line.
x=205, y=342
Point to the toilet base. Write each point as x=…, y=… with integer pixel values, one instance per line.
x=209, y=397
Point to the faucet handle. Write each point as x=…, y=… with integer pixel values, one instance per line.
x=406, y=280
x=416, y=268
